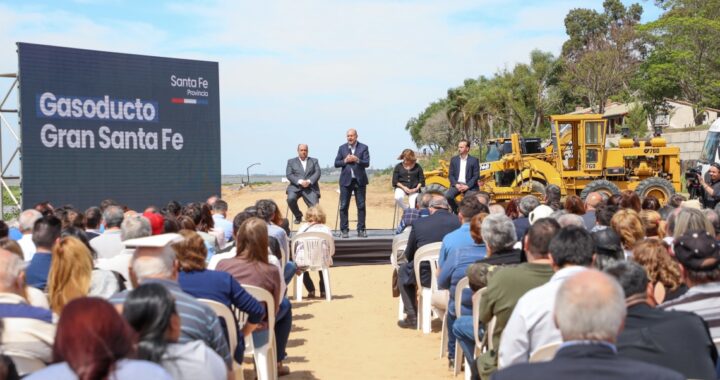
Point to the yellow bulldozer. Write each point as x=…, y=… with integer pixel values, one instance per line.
x=577, y=160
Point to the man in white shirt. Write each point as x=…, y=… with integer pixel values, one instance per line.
x=219, y=211
x=531, y=324
x=27, y=220
x=133, y=227
x=109, y=243
x=303, y=173
x=464, y=174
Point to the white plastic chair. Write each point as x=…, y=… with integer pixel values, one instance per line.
x=225, y=313
x=477, y=296
x=266, y=355
x=24, y=363
x=398, y=247
x=463, y=284
x=545, y=353
x=314, y=246
x=430, y=253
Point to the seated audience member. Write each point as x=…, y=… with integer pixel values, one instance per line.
x=413, y=213
x=650, y=203
x=672, y=339
x=46, y=232
x=675, y=201
x=109, y=243
x=34, y=296
x=157, y=222
x=26, y=329
x=132, y=227
x=574, y=205
x=174, y=208
x=512, y=209
x=688, y=219
x=483, y=197
x=461, y=237
x=205, y=226
x=570, y=219
x=498, y=233
x=629, y=199
x=531, y=324
x=71, y=275
x=150, y=310
x=71, y=217
x=589, y=311
x=552, y=197
x=251, y=267
x=431, y=229
x=218, y=286
x=453, y=270
x=592, y=201
x=314, y=222
x=714, y=218
x=94, y=342
x=219, y=215
x=540, y=212
x=508, y=284
x=653, y=224
x=629, y=227
x=266, y=210
x=526, y=205
x=664, y=273
x=93, y=217
x=154, y=262
x=603, y=217
x=608, y=248
x=497, y=208
x=699, y=254
x=27, y=221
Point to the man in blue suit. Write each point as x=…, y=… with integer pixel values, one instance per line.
x=353, y=158
x=464, y=174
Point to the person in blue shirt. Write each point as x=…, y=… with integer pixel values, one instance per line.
x=218, y=286
x=460, y=238
x=46, y=232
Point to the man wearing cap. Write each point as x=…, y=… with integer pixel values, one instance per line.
x=431, y=229
x=464, y=173
x=673, y=339
x=531, y=324
x=153, y=261
x=303, y=173
x=711, y=184
x=699, y=254
x=352, y=158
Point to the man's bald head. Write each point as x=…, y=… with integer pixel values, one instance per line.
x=593, y=200
x=590, y=306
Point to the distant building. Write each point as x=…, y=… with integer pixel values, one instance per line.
x=679, y=116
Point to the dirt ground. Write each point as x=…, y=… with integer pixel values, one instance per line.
x=355, y=335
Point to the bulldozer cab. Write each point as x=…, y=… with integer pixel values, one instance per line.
x=579, y=141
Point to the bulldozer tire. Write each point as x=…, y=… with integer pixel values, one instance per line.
x=435, y=187
x=601, y=186
x=660, y=188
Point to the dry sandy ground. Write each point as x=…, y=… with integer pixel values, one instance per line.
x=355, y=335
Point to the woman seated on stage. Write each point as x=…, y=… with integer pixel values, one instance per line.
x=407, y=179
x=314, y=222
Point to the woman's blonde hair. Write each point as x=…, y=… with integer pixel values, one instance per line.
x=653, y=255
x=653, y=223
x=628, y=226
x=70, y=272
x=315, y=214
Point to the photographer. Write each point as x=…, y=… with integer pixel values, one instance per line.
x=712, y=189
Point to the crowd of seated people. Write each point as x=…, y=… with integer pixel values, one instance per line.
x=118, y=293
x=541, y=272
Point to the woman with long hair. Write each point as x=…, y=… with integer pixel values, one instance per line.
x=314, y=222
x=150, y=311
x=94, y=342
x=663, y=272
x=200, y=282
x=251, y=267
x=407, y=179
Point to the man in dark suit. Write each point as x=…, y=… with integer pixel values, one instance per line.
x=677, y=340
x=589, y=311
x=353, y=158
x=431, y=229
x=303, y=172
x=464, y=173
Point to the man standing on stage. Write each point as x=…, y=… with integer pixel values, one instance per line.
x=303, y=172
x=353, y=158
x=464, y=173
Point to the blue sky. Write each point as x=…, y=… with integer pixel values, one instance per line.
x=306, y=71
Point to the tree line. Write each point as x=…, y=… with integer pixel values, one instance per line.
x=609, y=56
